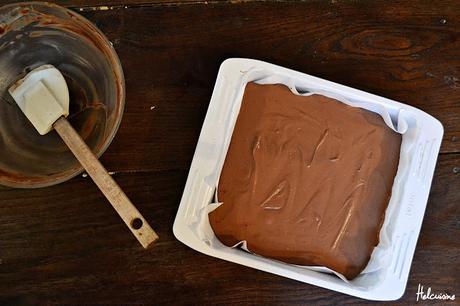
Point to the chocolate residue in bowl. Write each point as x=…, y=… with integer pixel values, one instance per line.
x=35, y=34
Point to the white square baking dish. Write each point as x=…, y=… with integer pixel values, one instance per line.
x=419, y=151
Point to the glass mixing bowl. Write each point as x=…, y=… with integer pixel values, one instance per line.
x=36, y=33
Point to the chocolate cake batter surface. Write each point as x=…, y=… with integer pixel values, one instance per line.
x=306, y=180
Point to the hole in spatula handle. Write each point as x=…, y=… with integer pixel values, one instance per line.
x=137, y=223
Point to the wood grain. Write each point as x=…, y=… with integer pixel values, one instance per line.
x=106, y=184
x=171, y=54
x=60, y=246
x=64, y=244
x=171, y=64
x=102, y=4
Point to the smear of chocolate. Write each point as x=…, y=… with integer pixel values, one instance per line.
x=306, y=180
x=34, y=34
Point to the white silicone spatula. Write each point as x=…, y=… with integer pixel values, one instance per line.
x=43, y=97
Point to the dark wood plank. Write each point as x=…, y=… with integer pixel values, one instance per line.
x=110, y=4
x=65, y=245
x=171, y=56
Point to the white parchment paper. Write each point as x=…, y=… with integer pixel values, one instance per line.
x=399, y=120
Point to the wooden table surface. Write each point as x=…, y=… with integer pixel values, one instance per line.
x=65, y=245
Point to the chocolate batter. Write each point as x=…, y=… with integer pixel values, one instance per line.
x=306, y=180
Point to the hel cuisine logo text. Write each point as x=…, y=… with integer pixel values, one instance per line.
x=432, y=296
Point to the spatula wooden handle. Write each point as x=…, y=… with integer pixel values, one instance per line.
x=130, y=215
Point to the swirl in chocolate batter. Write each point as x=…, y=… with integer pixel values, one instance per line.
x=306, y=180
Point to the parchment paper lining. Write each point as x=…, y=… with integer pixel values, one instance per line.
x=397, y=119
